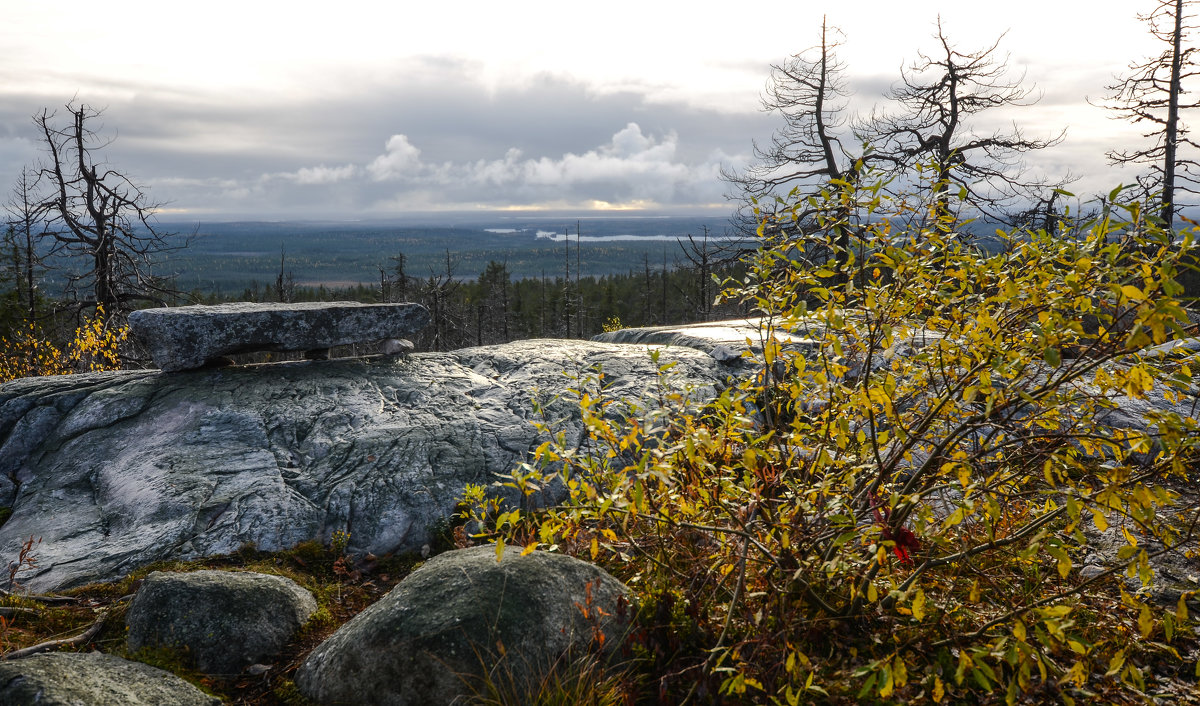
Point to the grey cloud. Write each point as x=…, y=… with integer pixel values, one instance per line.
x=428, y=133
x=239, y=153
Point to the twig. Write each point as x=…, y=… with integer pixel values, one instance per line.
x=1020, y=610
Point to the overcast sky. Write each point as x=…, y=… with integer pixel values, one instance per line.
x=352, y=109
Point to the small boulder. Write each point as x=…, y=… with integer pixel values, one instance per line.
x=449, y=620
x=95, y=679
x=223, y=621
x=396, y=346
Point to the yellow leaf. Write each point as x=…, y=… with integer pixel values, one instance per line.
x=918, y=605
x=886, y=684
x=939, y=690
x=1115, y=664
x=899, y=671
x=1132, y=292
x=954, y=519
x=1076, y=674
x=1145, y=622
x=529, y=549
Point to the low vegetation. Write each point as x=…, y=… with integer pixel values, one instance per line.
x=898, y=509
x=29, y=352
x=341, y=587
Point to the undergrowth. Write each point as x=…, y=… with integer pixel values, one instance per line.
x=897, y=506
x=94, y=347
x=340, y=594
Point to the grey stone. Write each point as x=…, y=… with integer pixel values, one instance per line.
x=93, y=679
x=724, y=353
x=221, y=621
x=396, y=346
x=185, y=337
x=118, y=470
x=439, y=628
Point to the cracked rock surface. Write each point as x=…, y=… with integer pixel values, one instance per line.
x=117, y=470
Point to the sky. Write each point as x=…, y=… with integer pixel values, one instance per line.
x=355, y=109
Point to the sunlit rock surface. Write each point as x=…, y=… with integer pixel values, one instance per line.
x=116, y=470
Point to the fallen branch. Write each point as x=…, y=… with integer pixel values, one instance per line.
x=48, y=599
x=81, y=639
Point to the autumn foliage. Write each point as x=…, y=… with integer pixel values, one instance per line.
x=28, y=352
x=897, y=506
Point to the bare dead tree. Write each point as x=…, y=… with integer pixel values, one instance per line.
x=285, y=283
x=704, y=257
x=26, y=221
x=817, y=145
x=929, y=137
x=100, y=216
x=394, y=284
x=437, y=294
x=808, y=92
x=1151, y=95
x=492, y=309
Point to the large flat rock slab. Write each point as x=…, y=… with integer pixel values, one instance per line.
x=117, y=470
x=185, y=337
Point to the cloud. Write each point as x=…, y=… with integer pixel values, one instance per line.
x=322, y=174
x=423, y=134
x=630, y=168
x=399, y=160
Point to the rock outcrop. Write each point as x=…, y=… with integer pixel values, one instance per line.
x=95, y=679
x=725, y=341
x=185, y=337
x=219, y=621
x=116, y=470
x=458, y=616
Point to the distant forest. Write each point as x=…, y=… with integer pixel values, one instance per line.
x=565, y=300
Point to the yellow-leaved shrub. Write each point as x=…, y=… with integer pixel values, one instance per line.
x=94, y=347
x=897, y=506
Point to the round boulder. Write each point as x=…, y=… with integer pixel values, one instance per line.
x=461, y=614
x=223, y=621
x=69, y=678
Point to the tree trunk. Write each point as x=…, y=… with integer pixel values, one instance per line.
x=1172, y=137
